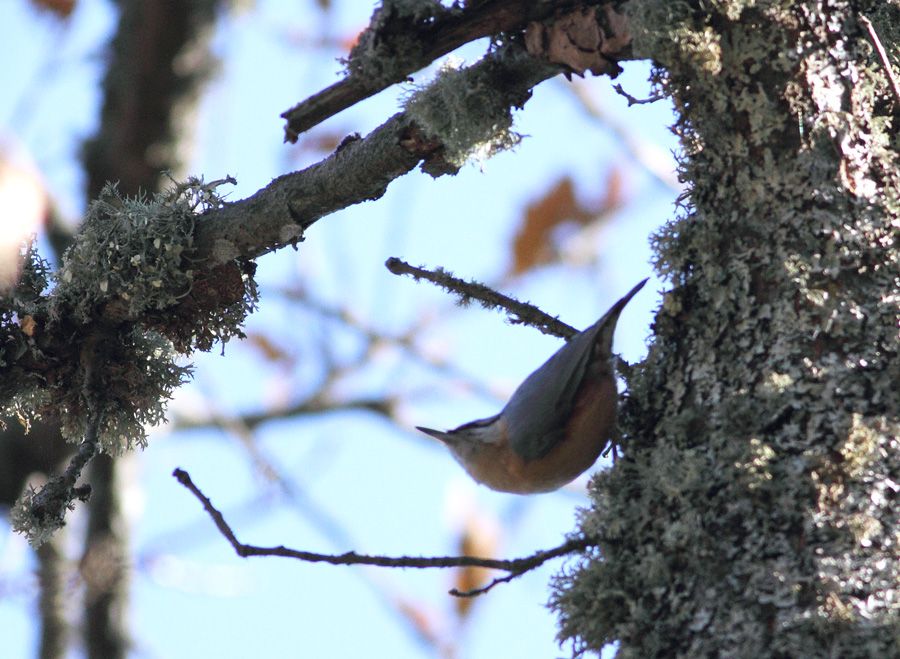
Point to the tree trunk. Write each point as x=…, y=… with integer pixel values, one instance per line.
x=754, y=513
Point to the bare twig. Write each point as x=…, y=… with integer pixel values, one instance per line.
x=515, y=566
x=649, y=156
x=521, y=313
x=636, y=101
x=329, y=526
x=314, y=405
x=882, y=54
x=38, y=514
x=319, y=517
x=475, y=592
x=59, y=493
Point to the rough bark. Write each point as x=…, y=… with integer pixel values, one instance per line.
x=755, y=511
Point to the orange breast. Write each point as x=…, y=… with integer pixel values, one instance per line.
x=590, y=426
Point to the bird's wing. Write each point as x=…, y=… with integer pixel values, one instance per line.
x=539, y=409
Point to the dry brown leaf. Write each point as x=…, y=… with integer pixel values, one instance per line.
x=478, y=537
x=423, y=621
x=62, y=8
x=614, y=195
x=533, y=244
x=324, y=141
x=28, y=325
x=317, y=143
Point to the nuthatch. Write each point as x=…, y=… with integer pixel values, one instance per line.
x=556, y=423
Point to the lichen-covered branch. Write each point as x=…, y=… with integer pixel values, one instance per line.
x=405, y=36
x=520, y=312
x=40, y=513
x=361, y=169
x=463, y=112
x=114, y=290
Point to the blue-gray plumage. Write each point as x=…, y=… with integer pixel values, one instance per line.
x=555, y=424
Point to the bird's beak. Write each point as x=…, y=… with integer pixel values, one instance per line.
x=437, y=434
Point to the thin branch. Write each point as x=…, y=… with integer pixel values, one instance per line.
x=521, y=313
x=320, y=519
x=882, y=54
x=529, y=563
x=41, y=513
x=421, y=40
x=636, y=101
x=317, y=404
x=653, y=159
x=59, y=493
x=38, y=514
x=475, y=592
x=333, y=530
x=515, y=566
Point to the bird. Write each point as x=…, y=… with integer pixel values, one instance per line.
x=555, y=424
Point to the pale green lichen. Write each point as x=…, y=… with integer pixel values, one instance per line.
x=139, y=372
x=20, y=396
x=125, y=306
x=36, y=528
x=390, y=47
x=130, y=253
x=116, y=301
x=464, y=109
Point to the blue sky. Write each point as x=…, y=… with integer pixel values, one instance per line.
x=351, y=480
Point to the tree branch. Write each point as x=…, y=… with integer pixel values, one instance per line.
x=316, y=404
x=521, y=313
x=421, y=40
x=359, y=170
x=38, y=514
x=515, y=567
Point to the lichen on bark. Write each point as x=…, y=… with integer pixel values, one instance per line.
x=754, y=512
